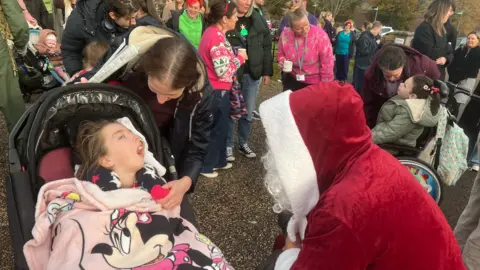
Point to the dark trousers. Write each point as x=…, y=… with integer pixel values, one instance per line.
x=358, y=78
x=216, y=156
x=291, y=83
x=342, y=62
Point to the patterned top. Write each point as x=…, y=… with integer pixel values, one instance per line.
x=219, y=58
x=318, y=60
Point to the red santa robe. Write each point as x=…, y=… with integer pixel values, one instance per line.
x=355, y=206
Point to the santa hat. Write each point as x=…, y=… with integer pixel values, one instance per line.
x=292, y=158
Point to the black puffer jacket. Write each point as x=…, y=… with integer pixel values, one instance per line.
x=258, y=45
x=366, y=48
x=87, y=23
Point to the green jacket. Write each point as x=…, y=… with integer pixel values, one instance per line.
x=401, y=121
x=258, y=45
x=13, y=24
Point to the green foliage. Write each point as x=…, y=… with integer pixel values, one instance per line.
x=397, y=13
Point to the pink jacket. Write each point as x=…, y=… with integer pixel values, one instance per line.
x=219, y=58
x=318, y=63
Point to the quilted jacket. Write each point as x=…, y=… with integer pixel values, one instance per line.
x=401, y=121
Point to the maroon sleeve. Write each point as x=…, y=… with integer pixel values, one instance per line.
x=431, y=68
x=368, y=97
x=330, y=245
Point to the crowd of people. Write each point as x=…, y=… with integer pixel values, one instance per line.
x=348, y=203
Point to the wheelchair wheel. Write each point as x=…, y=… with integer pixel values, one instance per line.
x=425, y=175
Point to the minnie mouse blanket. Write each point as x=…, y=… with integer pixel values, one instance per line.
x=79, y=226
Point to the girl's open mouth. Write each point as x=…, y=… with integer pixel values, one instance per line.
x=140, y=149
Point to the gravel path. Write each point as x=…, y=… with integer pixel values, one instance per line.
x=234, y=210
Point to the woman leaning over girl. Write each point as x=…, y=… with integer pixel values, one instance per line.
x=221, y=64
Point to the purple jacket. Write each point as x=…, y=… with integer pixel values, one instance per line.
x=312, y=19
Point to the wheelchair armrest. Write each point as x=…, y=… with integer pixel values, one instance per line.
x=400, y=148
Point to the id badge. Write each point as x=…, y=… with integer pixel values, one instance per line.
x=300, y=77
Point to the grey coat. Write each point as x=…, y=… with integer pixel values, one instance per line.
x=401, y=121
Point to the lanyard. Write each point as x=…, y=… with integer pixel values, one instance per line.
x=301, y=60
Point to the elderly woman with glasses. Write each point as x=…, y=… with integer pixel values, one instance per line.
x=309, y=49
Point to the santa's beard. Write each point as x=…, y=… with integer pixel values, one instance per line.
x=274, y=185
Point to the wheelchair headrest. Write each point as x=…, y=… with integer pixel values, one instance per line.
x=444, y=90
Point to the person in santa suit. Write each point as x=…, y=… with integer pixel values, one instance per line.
x=354, y=205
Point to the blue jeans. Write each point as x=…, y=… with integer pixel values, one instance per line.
x=249, y=92
x=216, y=156
x=358, y=78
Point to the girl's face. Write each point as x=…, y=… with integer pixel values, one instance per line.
x=348, y=27
x=193, y=10
x=125, y=152
x=405, y=90
x=472, y=41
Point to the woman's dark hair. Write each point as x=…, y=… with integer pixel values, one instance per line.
x=424, y=87
x=218, y=9
x=148, y=6
x=391, y=58
x=121, y=8
x=435, y=14
x=175, y=62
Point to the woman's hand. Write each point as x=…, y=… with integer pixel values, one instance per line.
x=243, y=54
x=290, y=244
x=178, y=188
x=441, y=61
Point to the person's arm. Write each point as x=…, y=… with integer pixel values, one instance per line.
x=331, y=244
x=325, y=54
x=267, y=52
x=369, y=99
x=200, y=138
x=431, y=68
x=392, y=131
x=448, y=54
x=224, y=64
x=283, y=24
x=280, y=53
x=18, y=25
x=73, y=44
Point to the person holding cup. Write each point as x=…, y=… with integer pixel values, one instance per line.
x=304, y=53
x=222, y=64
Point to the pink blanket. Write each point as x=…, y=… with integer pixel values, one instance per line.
x=78, y=226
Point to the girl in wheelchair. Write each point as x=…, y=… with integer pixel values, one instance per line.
x=402, y=118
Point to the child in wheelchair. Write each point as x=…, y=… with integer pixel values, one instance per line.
x=402, y=119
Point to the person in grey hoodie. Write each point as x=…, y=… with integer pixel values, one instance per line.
x=402, y=118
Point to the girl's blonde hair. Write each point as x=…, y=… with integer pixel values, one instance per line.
x=90, y=146
x=435, y=14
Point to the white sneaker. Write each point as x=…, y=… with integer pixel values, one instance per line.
x=230, y=156
x=226, y=167
x=244, y=149
x=210, y=175
x=475, y=167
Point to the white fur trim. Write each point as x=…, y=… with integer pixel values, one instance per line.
x=292, y=160
x=417, y=107
x=149, y=158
